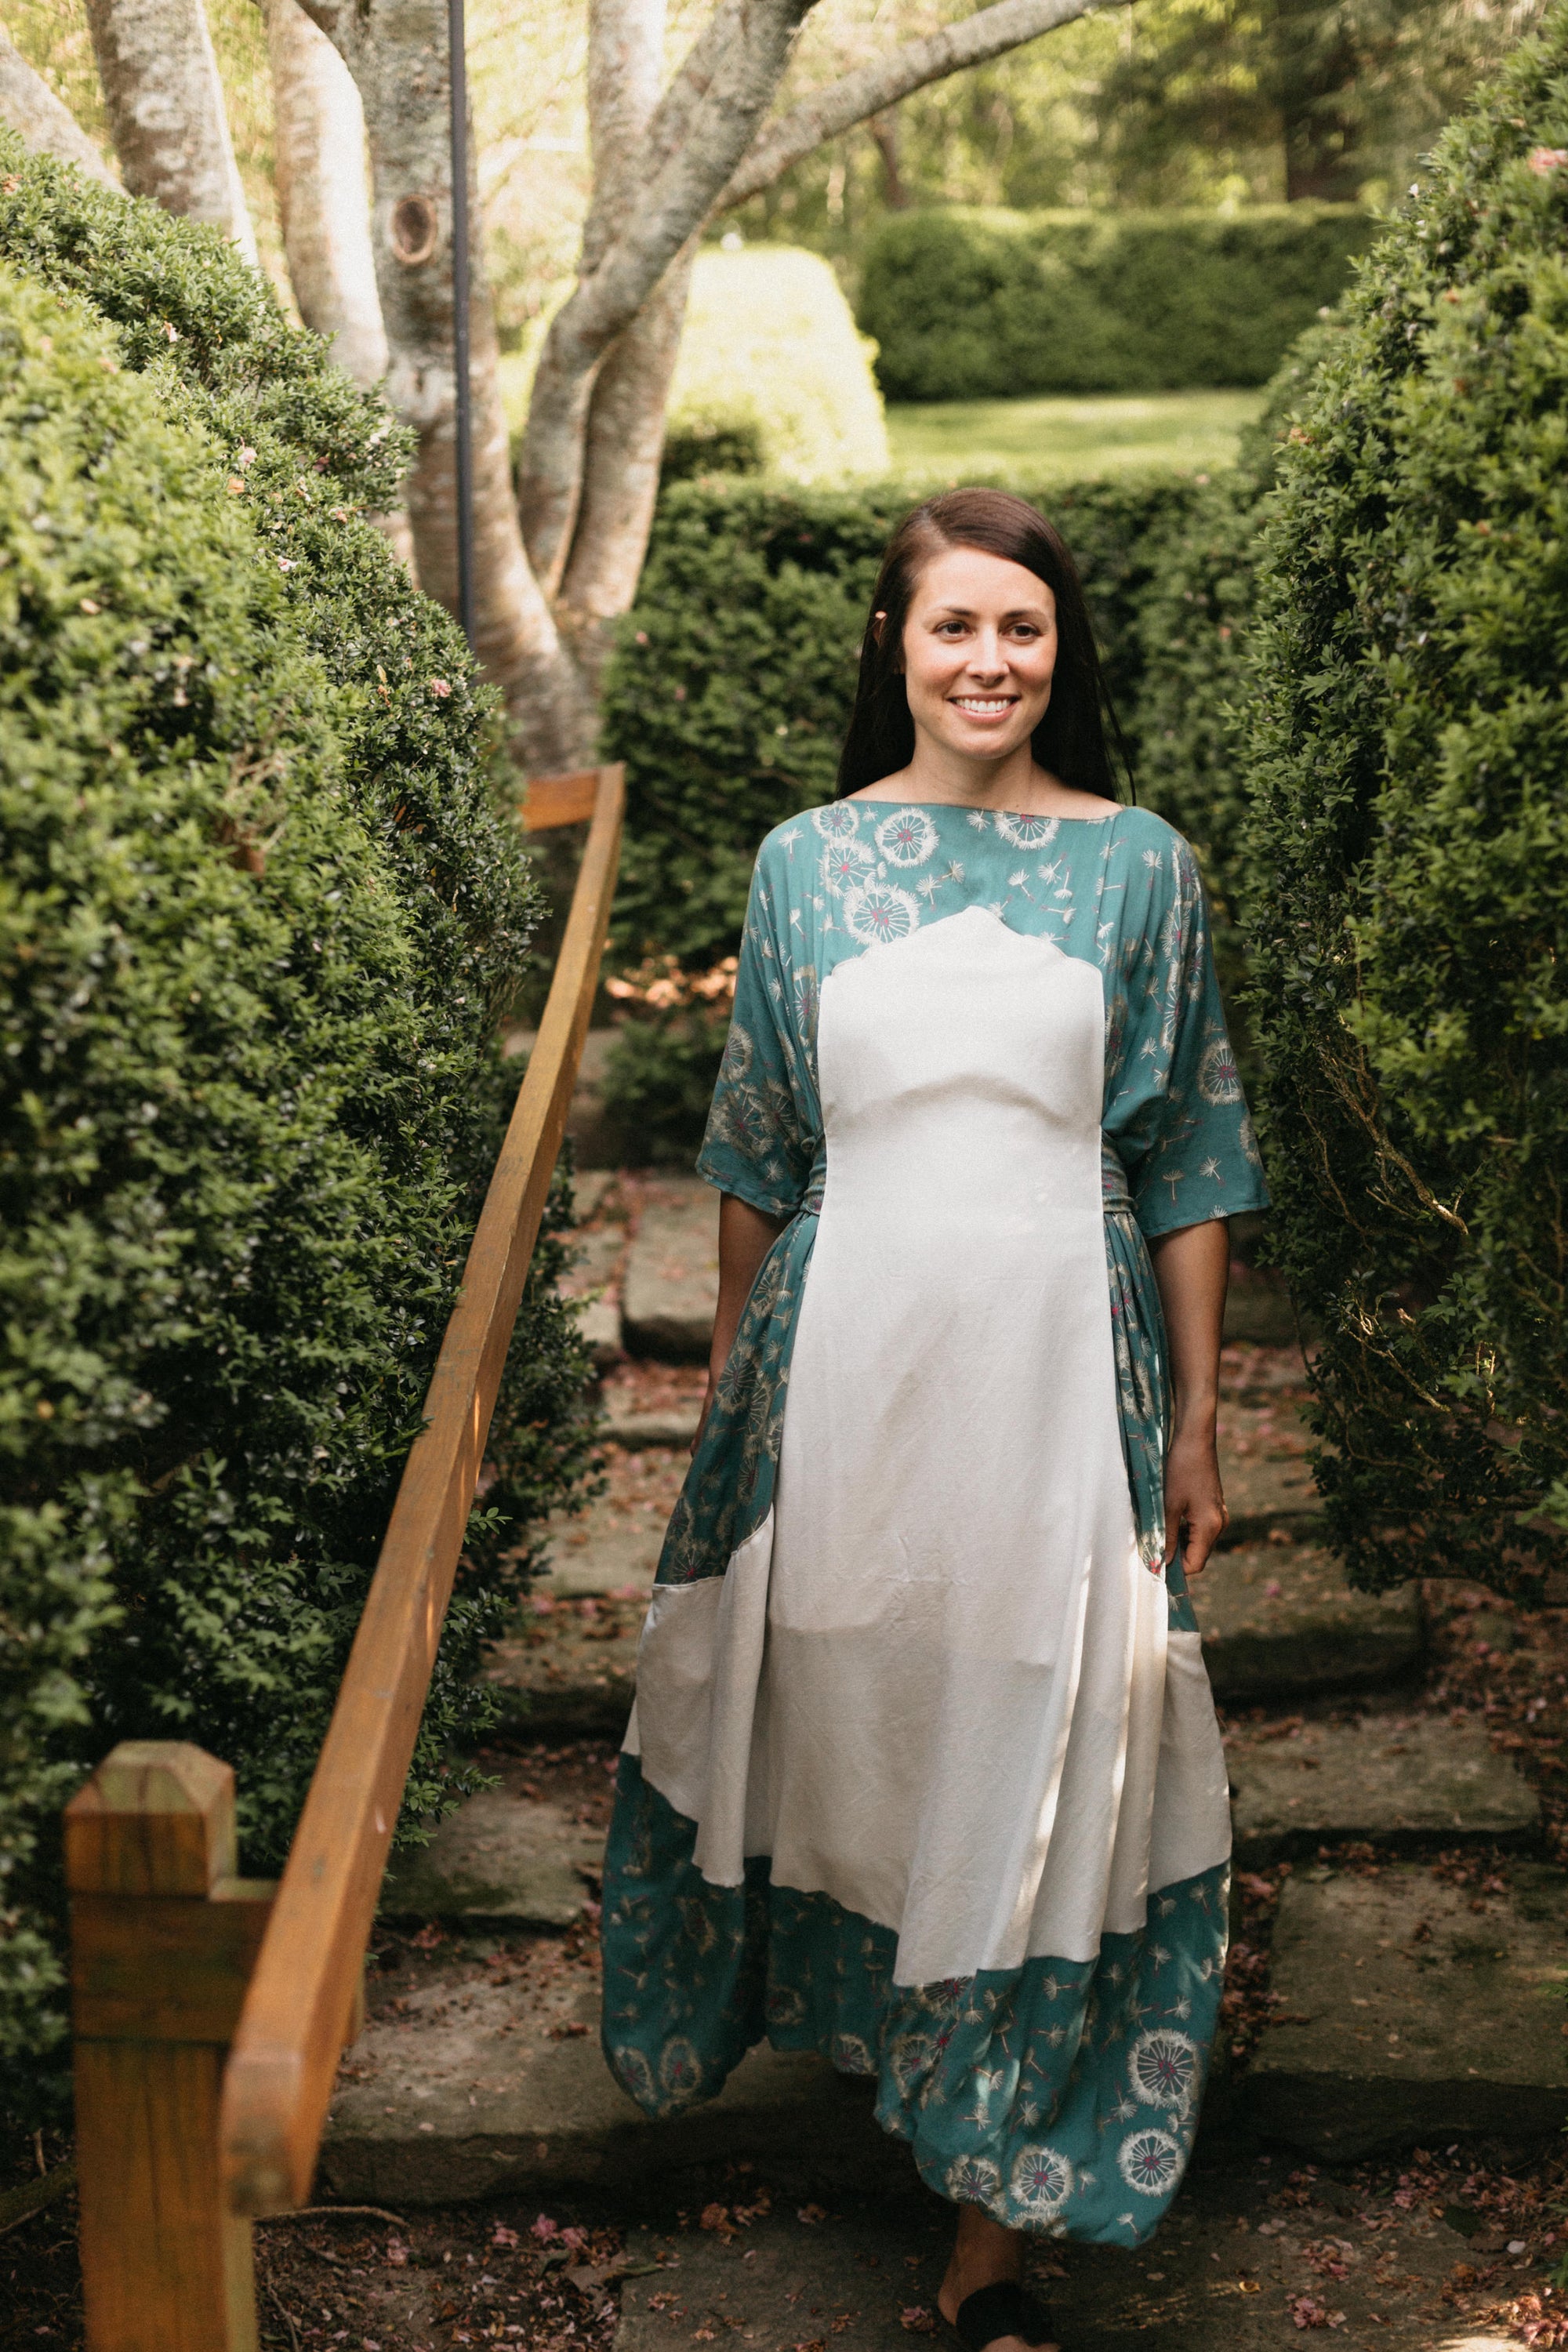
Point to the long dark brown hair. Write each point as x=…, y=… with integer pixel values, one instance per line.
x=1071, y=739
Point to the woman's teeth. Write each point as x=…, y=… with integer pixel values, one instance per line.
x=984, y=706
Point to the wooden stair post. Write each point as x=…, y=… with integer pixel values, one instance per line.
x=164, y=1938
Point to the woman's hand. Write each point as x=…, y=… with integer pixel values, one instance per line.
x=1195, y=1515
x=745, y=1237
x=1192, y=1268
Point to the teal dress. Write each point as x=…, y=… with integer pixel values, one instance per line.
x=923, y=1773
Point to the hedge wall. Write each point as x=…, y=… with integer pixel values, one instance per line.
x=259, y=906
x=970, y=305
x=1408, y=902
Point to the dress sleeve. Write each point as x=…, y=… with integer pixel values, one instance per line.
x=1176, y=1113
x=763, y=1127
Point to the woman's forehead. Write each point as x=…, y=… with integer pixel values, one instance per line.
x=970, y=578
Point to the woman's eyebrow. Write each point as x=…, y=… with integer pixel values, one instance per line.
x=965, y=613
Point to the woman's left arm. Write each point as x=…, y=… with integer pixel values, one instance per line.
x=1192, y=1267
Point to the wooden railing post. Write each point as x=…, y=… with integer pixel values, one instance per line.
x=164, y=1938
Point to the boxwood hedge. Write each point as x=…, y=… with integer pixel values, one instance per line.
x=1408, y=860
x=258, y=907
x=972, y=305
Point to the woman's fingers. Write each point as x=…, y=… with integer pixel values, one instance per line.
x=1205, y=1525
x=1194, y=1524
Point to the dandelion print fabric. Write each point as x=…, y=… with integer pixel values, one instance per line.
x=923, y=1772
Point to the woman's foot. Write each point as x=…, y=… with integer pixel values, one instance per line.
x=984, y=2254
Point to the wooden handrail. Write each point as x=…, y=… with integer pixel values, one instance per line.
x=295, y=2021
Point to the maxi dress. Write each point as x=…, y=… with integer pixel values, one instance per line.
x=923, y=1772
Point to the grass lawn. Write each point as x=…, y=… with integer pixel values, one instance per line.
x=1067, y=440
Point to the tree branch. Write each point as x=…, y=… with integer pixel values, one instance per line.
x=719, y=127
x=47, y=126
x=990, y=33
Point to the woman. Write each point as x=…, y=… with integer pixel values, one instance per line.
x=923, y=1772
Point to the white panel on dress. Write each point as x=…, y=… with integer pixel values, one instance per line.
x=962, y=1717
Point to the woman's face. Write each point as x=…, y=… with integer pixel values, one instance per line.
x=980, y=646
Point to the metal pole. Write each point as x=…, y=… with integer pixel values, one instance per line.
x=464, y=420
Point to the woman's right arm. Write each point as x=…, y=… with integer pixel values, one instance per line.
x=745, y=1237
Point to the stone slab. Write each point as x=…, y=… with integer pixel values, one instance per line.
x=1396, y=1780
x=602, y=1549
x=594, y=1281
x=500, y=1857
x=1278, y=1620
x=470, y=2091
x=565, y=1671
x=673, y=1425
x=1413, y=2020
x=671, y=1290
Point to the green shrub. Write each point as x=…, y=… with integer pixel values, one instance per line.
x=770, y=355
x=729, y=692
x=1408, y=861
x=967, y=305
x=258, y=907
x=1193, y=626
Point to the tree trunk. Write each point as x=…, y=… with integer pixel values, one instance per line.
x=47, y=127
x=397, y=51
x=323, y=195
x=623, y=442
x=166, y=112
x=620, y=478
x=884, y=131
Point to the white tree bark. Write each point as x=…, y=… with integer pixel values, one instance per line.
x=166, y=111
x=624, y=441
x=397, y=51
x=670, y=194
x=30, y=106
x=323, y=192
x=853, y=100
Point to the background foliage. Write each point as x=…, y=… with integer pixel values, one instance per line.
x=965, y=305
x=1408, y=860
x=258, y=910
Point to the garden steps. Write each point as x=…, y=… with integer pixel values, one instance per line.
x=1413, y=2010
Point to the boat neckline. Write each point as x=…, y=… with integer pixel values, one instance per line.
x=975, y=808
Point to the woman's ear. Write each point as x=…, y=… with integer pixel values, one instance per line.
x=879, y=623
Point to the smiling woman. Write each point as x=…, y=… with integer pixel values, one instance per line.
x=923, y=1772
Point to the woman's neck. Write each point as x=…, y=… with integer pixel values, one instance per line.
x=936, y=774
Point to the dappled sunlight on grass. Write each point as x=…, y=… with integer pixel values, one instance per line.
x=1068, y=440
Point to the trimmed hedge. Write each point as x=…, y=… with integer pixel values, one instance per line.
x=1409, y=858
x=259, y=909
x=972, y=305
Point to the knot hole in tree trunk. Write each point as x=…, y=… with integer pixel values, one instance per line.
x=416, y=226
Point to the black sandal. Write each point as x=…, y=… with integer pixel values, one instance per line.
x=1002, y=2309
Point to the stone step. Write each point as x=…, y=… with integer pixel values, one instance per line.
x=570, y=1665
x=1398, y=1781
x=1278, y=1620
x=476, y=2087
x=671, y=1289
x=503, y=1858
x=1413, y=2012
